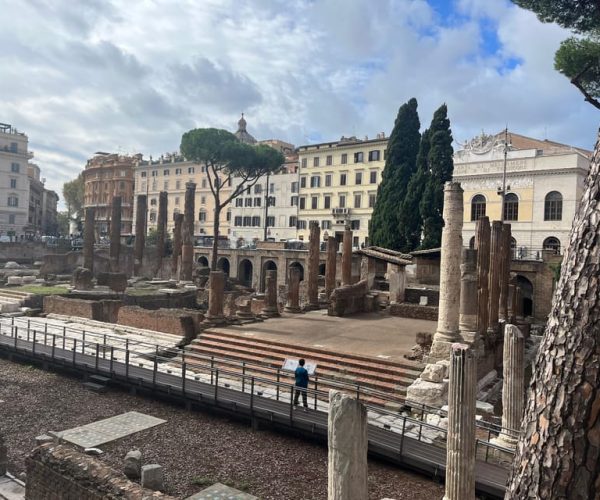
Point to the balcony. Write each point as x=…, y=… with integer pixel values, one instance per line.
x=340, y=212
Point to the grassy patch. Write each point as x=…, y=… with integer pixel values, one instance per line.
x=42, y=290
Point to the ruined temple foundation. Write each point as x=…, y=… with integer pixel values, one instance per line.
x=293, y=297
x=460, y=447
x=449, y=303
x=140, y=233
x=347, y=257
x=270, y=309
x=176, y=257
x=115, y=234
x=187, y=234
x=216, y=296
x=330, y=266
x=347, y=443
x=88, y=239
x=513, y=386
x=313, y=267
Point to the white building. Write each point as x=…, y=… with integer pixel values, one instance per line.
x=544, y=185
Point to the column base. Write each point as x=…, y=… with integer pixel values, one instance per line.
x=440, y=349
x=292, y=309
x=270, y=313
x=505, y=441
x=214, y=320
x=312, y=307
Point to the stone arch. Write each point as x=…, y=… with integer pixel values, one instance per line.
x=552, y=243
x=224, y=265
x=299, y=266
x=527, y=295
x=203, y=261
x=268, y=265
x=245, y=269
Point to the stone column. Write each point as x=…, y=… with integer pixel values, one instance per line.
x=216, y=295
x=187, y=233
x=115, y=234
x=313, y=266
x=482, y=244
x=293, y=298
x=368, y=270
x=460, y=447
x=161, y=230
x=178, y=219
x=513, y=386
x=519, y=313
x=512, y=298
x=330, y=267
x=347, y=257
x=468, y=296
x=88, y=238
x=270, y=308
x=347, y=443
x=504, y=272
x=397, y=281
x=449, y=304
x=494, y=276
x=140, y=232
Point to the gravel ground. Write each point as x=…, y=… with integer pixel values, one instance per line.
x=195, y=448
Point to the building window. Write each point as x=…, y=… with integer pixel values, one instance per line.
x=191, y=170
x=257, y=189
x=293, y=221
x=152, y=216
x=15, y=167
x=13, y=147
x=257, y=201
x=553, y=206
x=358, y=157
x=326, y=224
x=177, y=200
x=177, y=171
x=143, y=174
x=165, y=185
x=329, y=160
x=327, y=202
x=302, y=203
x=302, y=182
x=13, y=183
x=511, y=207
x=342, y=203
x=272, y=187
x=315, y=181
x=247, y=221
x=304, y=162
x=256, y=221
x=228, y=216
x=384, y=154
x=271, y=201
x=294, y=187
x=355, y=224
x=372, y=199
x=355, y=241
x=237, y=221
x=248, y=202
x=294, y=201
x=270, y=221
x=358, y=178
x=342, y=179
x=373, y=177
x=344, y=158
x=478, y=207
x=203, y=183
x=374, y=155
x=357, y=200
x=11, y=218
x=165, y=172
x=328, y=180
x=314, y=202
x=203, y=200
x=202, y=216
x=301, y=224
x=177, y=184
x=316, y=161
x=154, y=173
x=553, y=244
x=239, y=202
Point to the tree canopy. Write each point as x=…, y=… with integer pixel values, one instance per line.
x=73, y=193
x=400, y=164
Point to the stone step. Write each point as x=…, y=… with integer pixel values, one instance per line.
x=98, y=379
x=95, y=387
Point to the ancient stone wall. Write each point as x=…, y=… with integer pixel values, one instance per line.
x=414, y=311
x=350, y=299
x=58, y=472
x=60, y=263
x=99, y=310
x=413, y=296
x=176, y=321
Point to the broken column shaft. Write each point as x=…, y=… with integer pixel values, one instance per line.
x=140, y=233
x=176, y=257
x=330, y=266
x=494, y=276
x=505, y=258
x=216, y=296
x=313, y=266
x=347, y=257
x=115, y=234
x=187, y=234
x=161, y=229
x=293, y=298
x=468, y=296
x=88, y=239
x=270, y=308
x=482, y=245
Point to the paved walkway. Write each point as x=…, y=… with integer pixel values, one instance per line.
x=11, y=488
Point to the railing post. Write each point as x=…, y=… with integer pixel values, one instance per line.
x=291, y=404
x=212, y=366
x=33, y=346
x=316, y=389
x=83, y=343
x=183, y=370
x=127, y=365
x=16, y=336
x=357, y=392
x=97, y=354
x=53, y=345
x=252, y=396
x=216, y=382
x=244, y=376
x=154, y=372
x=402, y=437
x=112, y=350
x=45, y=334
x=27, y=334
x=64, y=336
x=278, y=376
x=74, y=350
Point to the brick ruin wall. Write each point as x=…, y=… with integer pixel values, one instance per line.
x=178, y=322
x=414, y=311
x=99, y=310
x=59, y=472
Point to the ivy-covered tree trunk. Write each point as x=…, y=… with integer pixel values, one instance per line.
x=558, y=455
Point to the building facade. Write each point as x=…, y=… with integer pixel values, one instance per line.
x=36, y=198
x=544, y=185
x=107, y=175
x=50, y=212
x=338, y=186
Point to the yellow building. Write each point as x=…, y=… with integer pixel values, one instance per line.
x=338, y=185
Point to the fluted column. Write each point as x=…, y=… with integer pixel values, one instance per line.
x=216, y=294
x=494, y=275
x=482, y=244
x=293, y=297
x=178, y=224
x=161, y=230
x=504, y=272
x=330, y=267
x=88, y=238
x=347, y=257
x=512, y=297
x=115, y=234
x=270, y=308
x=460, y=448
x=140, y=232
x=187, y=235
x=313, y=266
x=468, y=295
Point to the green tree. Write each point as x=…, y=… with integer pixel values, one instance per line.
x=410, y=220
x=73, y=192
x=62, y=219
x=578, y=58
x=400, y=164
x=226, y=158
x=441, y=166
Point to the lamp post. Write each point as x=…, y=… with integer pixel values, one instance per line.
x=502, y=193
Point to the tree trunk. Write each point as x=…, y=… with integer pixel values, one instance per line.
x=558, y=455
x=215, y=247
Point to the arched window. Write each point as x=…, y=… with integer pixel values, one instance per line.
x=553, y=206
x=472, y=242
x=477, y=207
x=511, y=207
x=552, y=243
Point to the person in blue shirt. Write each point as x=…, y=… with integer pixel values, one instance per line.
x=301, y=375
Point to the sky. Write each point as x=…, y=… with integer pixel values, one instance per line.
x=131, y=76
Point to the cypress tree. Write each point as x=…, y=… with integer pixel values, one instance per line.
x=411, y=223
x=441, y=167
x=400, y=164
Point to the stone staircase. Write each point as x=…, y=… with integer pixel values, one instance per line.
x=263, y=357
x=11, y=300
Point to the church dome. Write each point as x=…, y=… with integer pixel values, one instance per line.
x=242, y=134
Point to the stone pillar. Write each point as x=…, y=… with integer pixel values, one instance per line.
x=513, y=386
x=161, y=230
x=313, y=266
x=115, y=234
x=88, y=238
x=368, y=270
x=519, y=303
x=347, y=443
x=140, y=233
x=293, y=298
x=468, y=296
x=347, y=257
x=397, y=282
x=330, y=266
x=512, y=298
x=460, y=447
x=494, y=276
x=482, y=244
x=505, y=257
x=187, y=233
x=270, y=308
x=178, y=219
x=449, y=304
x=216, y=295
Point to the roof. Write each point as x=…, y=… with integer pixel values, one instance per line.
x=386, y=255
x=242, y=134
x=519, y=141
x=428, y=251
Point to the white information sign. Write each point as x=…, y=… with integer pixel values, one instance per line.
x=290, y=365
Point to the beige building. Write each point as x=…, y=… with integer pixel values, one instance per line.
x=544, y=185
x=338, y=185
